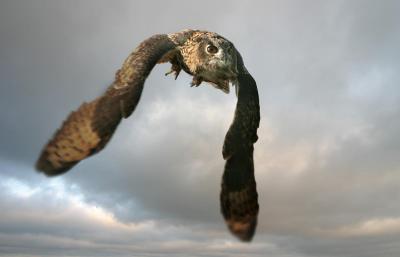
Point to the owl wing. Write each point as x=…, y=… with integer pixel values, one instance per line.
x=87, y=130
x=239, y=198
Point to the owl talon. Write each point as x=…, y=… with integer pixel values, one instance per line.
x=196, y=81
x=175, y=69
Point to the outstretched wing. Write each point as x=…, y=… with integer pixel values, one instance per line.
x=88, y=129
x=239, y=198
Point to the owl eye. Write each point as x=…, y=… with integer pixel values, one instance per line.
x=211, y=49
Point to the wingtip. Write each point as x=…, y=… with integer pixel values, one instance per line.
x=243, y=230
x=47, y=168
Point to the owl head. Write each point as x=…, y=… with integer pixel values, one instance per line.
x=210, y=57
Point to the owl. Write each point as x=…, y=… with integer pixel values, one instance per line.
x=207, y=57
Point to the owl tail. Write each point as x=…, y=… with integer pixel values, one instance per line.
x=239, y=198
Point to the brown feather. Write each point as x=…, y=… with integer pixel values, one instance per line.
x=74, y=141
x=88, y=129
x=239, y=198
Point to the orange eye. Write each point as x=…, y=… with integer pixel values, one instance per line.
x=211, y=49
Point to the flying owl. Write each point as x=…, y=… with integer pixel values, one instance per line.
x=208, y=57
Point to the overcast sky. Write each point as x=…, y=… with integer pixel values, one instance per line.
x=327, y=160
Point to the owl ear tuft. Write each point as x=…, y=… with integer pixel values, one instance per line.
x=180, y=38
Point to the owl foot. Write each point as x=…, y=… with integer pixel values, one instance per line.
x=175, y=69
x=196, y=81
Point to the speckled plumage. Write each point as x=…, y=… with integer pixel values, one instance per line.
x=206, y=56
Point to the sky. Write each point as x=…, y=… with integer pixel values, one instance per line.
x=326, y=163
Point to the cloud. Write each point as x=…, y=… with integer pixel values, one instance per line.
x=372, y=227
x=326, y=160
x=64, y=212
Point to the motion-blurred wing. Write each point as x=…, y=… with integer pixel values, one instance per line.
x=239, y=199
x=88, y=129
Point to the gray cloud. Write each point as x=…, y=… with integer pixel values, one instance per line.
x=326, y=161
